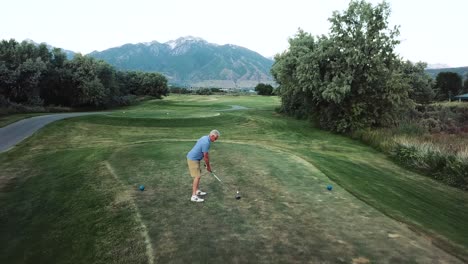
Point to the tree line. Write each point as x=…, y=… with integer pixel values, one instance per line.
x=34, y=75
x=352, y=78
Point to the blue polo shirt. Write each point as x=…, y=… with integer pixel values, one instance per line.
x=202, y=145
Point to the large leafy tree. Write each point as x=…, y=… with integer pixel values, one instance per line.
x=448, y=84
x=422, y=85
x=264, y=89
x=350, y=79
x=154, y=84
x=56, y=85
x=7, y=80
x=129, y=81
x=288, y=71
x=28, y=76
x=143, y=83
x=22, y=66
x=88, y=89
x=465, y=84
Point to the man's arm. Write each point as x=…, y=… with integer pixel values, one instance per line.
x=207, y=161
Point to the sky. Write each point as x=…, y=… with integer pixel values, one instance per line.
x=431, y=31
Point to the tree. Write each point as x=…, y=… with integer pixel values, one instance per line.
x=422, y=85
x=55, y=86
x=296, y=99
x=26, y=89
x=465, y=84
x=264, y=89
x=154, y=84
x=8, y=53
x=87, y=87
x=7, y=80
x=349, y=80
x=107, y=76
x=129, y=81
x=204, y=91
x=31, y=74
x=448, y=84
x=21, y=69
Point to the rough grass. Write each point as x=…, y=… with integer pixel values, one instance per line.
x=440, y=156
x=69, y=193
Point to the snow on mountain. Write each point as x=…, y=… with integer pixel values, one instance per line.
x=150, y=43
x=183, y=41
x=193, y=61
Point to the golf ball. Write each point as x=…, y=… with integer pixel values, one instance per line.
x=142, y=187
x=329, y=187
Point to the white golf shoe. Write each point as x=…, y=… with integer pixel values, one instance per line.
x=200, y=193
x=196, y=199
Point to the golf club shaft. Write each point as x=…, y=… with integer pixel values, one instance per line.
x=212, y=173
x=223, y=184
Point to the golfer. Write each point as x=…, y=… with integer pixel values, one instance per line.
x=199, y=152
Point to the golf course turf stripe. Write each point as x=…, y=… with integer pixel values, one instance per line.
x=144, y=229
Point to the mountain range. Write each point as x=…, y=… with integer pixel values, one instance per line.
x=70, y=54
x=193, y=62
x=462, y=71
x=438, y=66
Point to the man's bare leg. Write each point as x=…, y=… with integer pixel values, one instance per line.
x=196, y=182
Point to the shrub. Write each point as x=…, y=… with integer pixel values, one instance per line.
x=438, y=118
x=430, y=124
x=410, y=128
x=440, y=158
x=204, y=91
x=124, y=100
x=380, y=139
x=179, y=90
x=449, y=168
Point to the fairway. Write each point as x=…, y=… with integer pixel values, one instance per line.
x=69, y=193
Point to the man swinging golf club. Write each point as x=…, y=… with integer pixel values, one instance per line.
x=199, y=152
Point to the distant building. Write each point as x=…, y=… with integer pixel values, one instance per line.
x=461, y=97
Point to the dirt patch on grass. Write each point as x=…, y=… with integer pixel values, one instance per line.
x=12, y=177
x=7, y=183
x=360, y=260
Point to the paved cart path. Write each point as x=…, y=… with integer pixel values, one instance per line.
x=16, y=132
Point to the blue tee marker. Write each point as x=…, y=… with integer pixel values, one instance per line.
x=142, y=187
x=329, y=187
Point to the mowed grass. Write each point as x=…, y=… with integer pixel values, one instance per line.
x=69, y=194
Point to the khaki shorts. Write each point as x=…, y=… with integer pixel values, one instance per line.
x=194, y=168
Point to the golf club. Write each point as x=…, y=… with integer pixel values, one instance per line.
x=238, y=196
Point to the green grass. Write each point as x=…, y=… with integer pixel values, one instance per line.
x=69, y=194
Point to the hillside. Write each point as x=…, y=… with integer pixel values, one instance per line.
x=193, y=61
x=462, y=71
x=70, y=54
